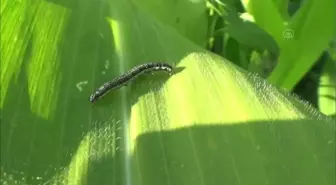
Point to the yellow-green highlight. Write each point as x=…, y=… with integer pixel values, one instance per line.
x=79, y=164
x=44, y=75
x=95, y=145
x=12, y=45
x=235, y=96
x=43, y=34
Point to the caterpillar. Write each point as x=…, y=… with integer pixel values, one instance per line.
x=128, y=76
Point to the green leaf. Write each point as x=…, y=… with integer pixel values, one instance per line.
x=312, y=28
x=267, y=16
x=301, y=39
x=210, y=123
x=249, y=34
x=327, y=89
x=189, y=18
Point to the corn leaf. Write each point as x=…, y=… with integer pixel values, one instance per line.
x=210, y=123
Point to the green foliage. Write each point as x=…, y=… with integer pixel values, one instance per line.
x=327, y=90
x=213, y=122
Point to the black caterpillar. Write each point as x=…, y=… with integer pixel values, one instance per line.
x=128, y=76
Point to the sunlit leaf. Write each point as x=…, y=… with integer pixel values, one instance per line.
x=209, y=123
